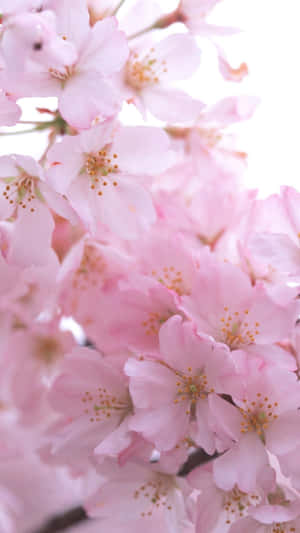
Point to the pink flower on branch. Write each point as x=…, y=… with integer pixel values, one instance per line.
x=82, y=82
x=103, y=178
x=172, y=392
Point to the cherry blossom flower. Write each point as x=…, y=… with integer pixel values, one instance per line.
x=23, y=187
x=93, y=397
x=38, y=352
x=243, y=318
x=150, y=72
x=179, y=285
x=183, y=375
x=100, y=179
x=31, y=37
x=216, y=509
x=266, y=417
x=282, y=518
x=145, y=494
x=82, y=83
x=143, y=306
x=280, y=249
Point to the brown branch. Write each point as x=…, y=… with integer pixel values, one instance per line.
x=63, y=521
x=199, y=457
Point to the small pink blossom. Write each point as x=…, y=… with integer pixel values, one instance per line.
x=38, y=351
x=234, y=312
x=82, y=84
x=23, y=188
x=266, y=418
x=216, y=509
x=172, y=391
x=92, y=395
x=270, y=519
x=31, y=37
x=147, y=496
x=100, y=178
x=150, y=72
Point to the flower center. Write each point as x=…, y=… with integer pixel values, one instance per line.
x=102, y=404
x=153, y=323
x=172, y=279
x=99, y=167
x=62, y=75
x=210, y=136
x=21, y=190
x=236, y=504
x=191, y=387
x=144, y=71
x=155, y=494
x=212, y=240
x=91, y=269
x=47, y=349
x=236, y=330
x=257, y=415
x=283, y=528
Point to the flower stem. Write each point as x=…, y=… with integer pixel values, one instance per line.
x=17, y=132
x=51, y=140
x=118, y=7
x=141, y=32
x=38, y=122
x=159, y=24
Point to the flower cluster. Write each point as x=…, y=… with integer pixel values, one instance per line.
x=182, y=283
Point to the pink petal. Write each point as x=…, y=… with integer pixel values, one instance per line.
x=172, y=105
x=64, y=167
x=93, y=139
x=283, y=435
x=227, y=417
x=87, y=95
x=174, y=50
x=268, y=514
x=126, y=209
x=204, y=436
x=116, y=442
x=10, y=112
x=232, y=109
x=228, y=72
x=176, y=339
x=106, y=49
x=151, y=384
x=165, y=426
x=291, y=203
x=58, y=203
x=73, y=23
x=277, y=250
x=234, y=468
x=142, y=150
x=247, y=525
x=35, y=250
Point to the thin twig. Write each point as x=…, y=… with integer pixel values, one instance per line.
x=51, y=140
x=38, y=122
x=118, y=7
x=17, y=132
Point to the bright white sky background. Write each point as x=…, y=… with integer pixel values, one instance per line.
x=270, y=45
